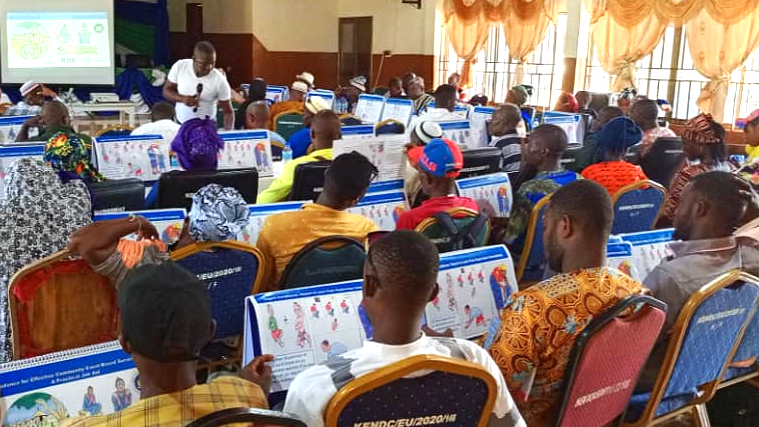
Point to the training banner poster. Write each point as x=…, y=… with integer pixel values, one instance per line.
x=399, y=110
x=369, y=108
x=10, y=127
x=649, y=249
x=619, y=255
x=144, y=157
x=386, y=152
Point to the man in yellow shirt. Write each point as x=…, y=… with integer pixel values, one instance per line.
x=166, y=321
x=283, y=235
x=325, y=128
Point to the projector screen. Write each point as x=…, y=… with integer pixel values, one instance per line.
x=57, y=42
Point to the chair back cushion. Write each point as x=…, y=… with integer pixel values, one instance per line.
x=450, y=233
x=636, y=210
x=663, y=160
x=481, y=161
x=607, y=360
x=118, y=195
x=717, y=321
x=327, y=260
x=60, y=306
x=536, y=258
x=745, y=359
x=437, y=398
x=287, y=124
x=230, y=275
x=308, y=180
x=239, y=416
x=176, y=188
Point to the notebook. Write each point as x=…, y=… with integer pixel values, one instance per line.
x=45, y=390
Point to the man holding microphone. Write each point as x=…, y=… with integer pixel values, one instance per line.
x=197, y=87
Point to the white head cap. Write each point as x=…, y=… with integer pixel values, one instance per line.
x=306, y=77
x=28, y=87
x=300, y=87
x=427, y=131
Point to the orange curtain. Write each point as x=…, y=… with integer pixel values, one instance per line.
x=629, y=13
x=468, y=29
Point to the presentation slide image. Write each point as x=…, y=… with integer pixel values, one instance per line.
x=58, y=40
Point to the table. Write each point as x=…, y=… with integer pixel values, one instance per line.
x=124, y=108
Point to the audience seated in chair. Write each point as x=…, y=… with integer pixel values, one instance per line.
x=541, y=174
x=256, y=119
x=416, y=93
x=712, y=207
x=586, y=155
x=162, y=122
x=166, y=321
x=301, y=140
x=39, y=213
x=34, y=95
x=439, y=165
x=421, y=134
x=298, y=92
x=325, y=129
x=256, y=93
x=445, y=102
x=518, y=95
x=395, y=89
x=503, y=128
x=400, y=278
x=218, y=214
x=705, y=150
x=584, y=98
x=567, y=103
x=197, y=147
x=645, y=114
x=53, y=119
x=70, y=154
x=539, y=325
x=613, y=141
x=283, y=235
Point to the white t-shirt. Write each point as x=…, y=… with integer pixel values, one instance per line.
x=311, y=391
x=215, y=89
x=168, y=129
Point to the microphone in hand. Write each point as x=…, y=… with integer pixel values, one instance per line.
x=199, y=91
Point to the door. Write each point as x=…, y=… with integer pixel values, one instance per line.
x=355, y=49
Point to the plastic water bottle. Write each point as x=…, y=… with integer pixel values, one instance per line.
x=287, y=153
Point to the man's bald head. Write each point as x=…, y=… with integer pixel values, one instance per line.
x=257, y=115
x=505, y=119
x=325, y=128
x=55, y=113
x=162, y=111
x=545, y=146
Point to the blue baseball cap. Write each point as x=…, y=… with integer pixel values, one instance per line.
x=442, y=158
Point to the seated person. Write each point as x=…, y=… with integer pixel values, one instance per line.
x=162, y=122
x=218, y=214
x=416, y=93
x=284, y=234
x=446, y=99
x=166, y=321
x=439, y=165
x=712, y=207
x=586, y=155
x=301, y=140
x=584, y=98
x=33, y=97
x=196, y=147
x=256, y=93
x=705, y=151
x=325, y=129
x=518, y=95
x=503, y=128
x=70, y=155
x=298, y=92
x=645, y=114
x=567, y=103
x=256, y=119
x=420, y=135
x=54, y=118
x=577, y=226
x=614, y=172
x=541, y=175
x=356, y=86
x=400, y=278
x=395, y=89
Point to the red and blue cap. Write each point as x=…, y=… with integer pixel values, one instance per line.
x=442, y=158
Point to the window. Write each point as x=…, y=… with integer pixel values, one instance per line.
x=669, y=73
x=493, y=72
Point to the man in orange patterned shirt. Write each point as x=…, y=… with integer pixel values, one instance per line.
x=538, y=326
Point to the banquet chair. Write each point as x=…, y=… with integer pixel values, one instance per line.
x=637, y=206
x=330, y=259
x=532, y=262
x=115, y=130
x=308, y=180
x=59, y=303
x=373, y=398
x=288, y=122
x=703, y=342
x=456, y=229
x=254, y=416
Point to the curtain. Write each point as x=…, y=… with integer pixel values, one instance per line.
x=673, y=12
x=618, y=48
x=467, y=36
x=525, y=25
x=717, y=51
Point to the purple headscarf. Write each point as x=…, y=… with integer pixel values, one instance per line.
x=197, y=145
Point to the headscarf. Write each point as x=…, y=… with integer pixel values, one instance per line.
x=619, y=134
x=218, y=214
x=699, y=130
x=70, y=155
x=197, y=145
x=567, y=103
x=39, y=214
x=520, y=94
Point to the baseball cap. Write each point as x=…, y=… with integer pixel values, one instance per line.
x=314, y=104
x=165, y=312
x=300, y=87
x=442, y=158
x=28, y=87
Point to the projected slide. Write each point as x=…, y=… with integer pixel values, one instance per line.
x=58, y=40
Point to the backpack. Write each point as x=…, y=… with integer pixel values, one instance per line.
x=455, y=238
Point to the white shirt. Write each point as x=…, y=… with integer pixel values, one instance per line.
x=4, y=99
x=310, y=392
x=168, y=129
x=215, y=89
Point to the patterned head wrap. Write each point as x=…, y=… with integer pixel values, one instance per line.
x=197, y=145
x=218, y=214
x=700, y=131
x=70, y=154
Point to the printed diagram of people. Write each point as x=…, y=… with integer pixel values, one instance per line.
x=84, y=35
x=276, y=332
x=499, y=283
x=262, y=158
x=90, y=405
x=122, y=397
x=302, y=339
x=333, y=349
x=474, y=315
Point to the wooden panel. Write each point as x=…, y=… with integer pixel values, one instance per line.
x=282, y=67
x=397, y=65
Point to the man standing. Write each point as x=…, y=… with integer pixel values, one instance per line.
x=198, y=87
